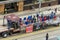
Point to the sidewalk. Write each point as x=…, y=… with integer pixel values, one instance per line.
x=32, y=11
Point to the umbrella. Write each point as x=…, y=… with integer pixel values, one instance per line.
x=12, y=17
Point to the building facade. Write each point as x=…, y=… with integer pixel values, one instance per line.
x=21, y=5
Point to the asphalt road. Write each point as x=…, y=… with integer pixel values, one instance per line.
x=41, y=36
x=37, y=35
x=53, y=38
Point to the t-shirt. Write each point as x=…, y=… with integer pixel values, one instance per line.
x=9, y=23
x=34, y=19
x=45, y=18
x=29, y=17
x=27, y=22
x=37, y=15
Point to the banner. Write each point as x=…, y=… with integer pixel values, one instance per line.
x=29, y=29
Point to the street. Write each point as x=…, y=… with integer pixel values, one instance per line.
x=53, y=38
x=38, y=36
x=41, y=36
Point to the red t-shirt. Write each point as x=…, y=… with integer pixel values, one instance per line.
x=54, y=16
x=45, y=18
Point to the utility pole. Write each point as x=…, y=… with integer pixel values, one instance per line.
x=39, y=4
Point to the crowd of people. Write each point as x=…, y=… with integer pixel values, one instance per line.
x=37, y=18
x=31, y=20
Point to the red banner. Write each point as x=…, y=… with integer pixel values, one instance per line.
x=29, y=29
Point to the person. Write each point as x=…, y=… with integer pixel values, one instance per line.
x=42, y=15
x=27, y=21
x=9, y=23
x=48, y=17
x=42, y=18
x=39, y=19
x=24, y=20
x=37, y=15
x=52, y=15
x=34, y=19
x=43, y=25
x=20, y=20
x=29, y=17
x=47, y=36
x=55, y=10
x=45, y=18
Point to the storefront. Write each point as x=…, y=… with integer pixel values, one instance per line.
x=10, y=7
x=17, y=6
x=14, y=7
